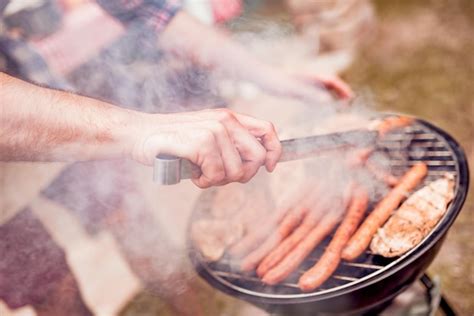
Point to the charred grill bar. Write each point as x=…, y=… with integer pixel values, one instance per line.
x=372, y=281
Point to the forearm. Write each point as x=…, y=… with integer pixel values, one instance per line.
x=187, y=37
x=207, y=46
x=39, y=124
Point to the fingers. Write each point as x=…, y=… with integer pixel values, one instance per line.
x=206, y=154
x=225, y=147
x=216, y=156
x=339, y=86
x=267, y=134
x=252, y=153
x=229, y=154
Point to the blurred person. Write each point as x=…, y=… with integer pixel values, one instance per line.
x=336, y=25
x=180, y=36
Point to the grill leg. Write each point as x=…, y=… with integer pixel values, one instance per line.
x=443, y=302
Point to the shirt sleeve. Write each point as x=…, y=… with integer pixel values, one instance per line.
x=154, y=13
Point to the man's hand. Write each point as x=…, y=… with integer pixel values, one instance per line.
x=226, y=146
x=39, y=124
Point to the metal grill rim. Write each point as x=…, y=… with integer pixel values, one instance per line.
x=461, y=173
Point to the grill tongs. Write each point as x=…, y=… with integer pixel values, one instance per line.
x=170, y=170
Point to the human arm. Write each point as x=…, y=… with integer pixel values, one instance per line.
x=39, y=124
x=183, y=35
x=188, y=38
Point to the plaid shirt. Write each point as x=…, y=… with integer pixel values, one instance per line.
x=30, y=66
x=155, y=13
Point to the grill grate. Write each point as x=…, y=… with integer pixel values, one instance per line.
x=404, y=148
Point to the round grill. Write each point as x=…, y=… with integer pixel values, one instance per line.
x=370, y=273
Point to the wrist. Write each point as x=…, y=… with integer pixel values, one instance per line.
x=143, y=132
x=128, y=129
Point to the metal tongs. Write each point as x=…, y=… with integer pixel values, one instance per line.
x=170, y=170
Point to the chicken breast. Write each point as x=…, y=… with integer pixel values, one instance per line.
x=415, y=218
x=213, y=236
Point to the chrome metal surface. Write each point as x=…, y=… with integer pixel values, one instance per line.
x=169, y=170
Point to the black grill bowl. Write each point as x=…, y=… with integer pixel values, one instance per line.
x=373, y=290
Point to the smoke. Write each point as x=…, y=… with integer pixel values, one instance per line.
x=149, y=222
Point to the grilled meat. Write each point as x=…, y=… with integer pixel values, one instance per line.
x=213, y=236
x=362, y=237
x=415, y=218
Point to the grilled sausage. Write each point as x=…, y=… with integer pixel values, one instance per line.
x=329, y=261
x=361, y=239
x=251, y=240
x=277, y=254
x=267, y=225
x=289, y=222
x=293, y=259
x=388, y=124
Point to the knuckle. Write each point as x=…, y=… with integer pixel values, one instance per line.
x=218, y=128
x=218, y=176
x=206, y=136
x=237, y=174
x=246, y=178
x=204, y=185
x=225, y=115
x=269, y=126
x=250, y=170
x=201, y=183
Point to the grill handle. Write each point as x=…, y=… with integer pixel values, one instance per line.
x=169, y=170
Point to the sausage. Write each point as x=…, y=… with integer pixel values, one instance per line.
x=294, y=258
x=289, y=222
x=361, y=239
x=390, y=123
x=252, y=238
x=329, y=261
x=266, y=226
x=277, y=254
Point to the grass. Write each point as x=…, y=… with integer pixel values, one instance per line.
x=429, y=73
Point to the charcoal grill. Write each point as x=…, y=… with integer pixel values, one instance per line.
x=371, y=282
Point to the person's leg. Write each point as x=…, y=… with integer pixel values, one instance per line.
x=34, y=271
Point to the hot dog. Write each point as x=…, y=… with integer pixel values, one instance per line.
x=361, y=239
x=329, y=261
x=289, y=222
x=388, y=124
x=267, y=225
x=289, y=264
x=277, y=254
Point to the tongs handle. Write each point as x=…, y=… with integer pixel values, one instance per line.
x=170, y=170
